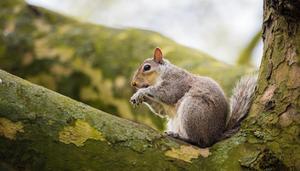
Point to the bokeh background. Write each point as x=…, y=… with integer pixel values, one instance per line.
x=89, y=49
x=221, y=29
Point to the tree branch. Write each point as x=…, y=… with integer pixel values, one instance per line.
x=41, y=129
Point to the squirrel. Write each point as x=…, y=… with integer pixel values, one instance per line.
x=196, y=107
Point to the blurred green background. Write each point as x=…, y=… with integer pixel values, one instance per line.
x=93, y=63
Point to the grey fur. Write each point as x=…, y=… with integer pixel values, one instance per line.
x=196, y=106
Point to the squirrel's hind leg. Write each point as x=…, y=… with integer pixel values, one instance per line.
x=174, y=128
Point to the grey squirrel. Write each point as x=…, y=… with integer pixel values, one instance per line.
x=196, y=107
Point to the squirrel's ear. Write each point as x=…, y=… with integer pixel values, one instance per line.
x=158, y=56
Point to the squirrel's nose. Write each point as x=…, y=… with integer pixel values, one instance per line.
x=133, y=84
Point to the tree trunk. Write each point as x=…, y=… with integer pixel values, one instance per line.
x=275, y=114
x=279, y=83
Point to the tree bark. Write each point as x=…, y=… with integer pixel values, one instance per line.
x=278, y=88
x=275, y=112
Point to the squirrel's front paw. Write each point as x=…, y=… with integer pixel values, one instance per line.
x=137, y=98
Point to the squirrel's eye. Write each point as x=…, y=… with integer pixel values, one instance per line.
x=147, y=67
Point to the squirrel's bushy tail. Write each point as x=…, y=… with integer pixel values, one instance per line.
x=240, y=103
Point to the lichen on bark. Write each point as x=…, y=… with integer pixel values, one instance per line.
x=10, y=129
x=78, y=133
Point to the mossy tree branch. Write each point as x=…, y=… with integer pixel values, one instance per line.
x=43, y=130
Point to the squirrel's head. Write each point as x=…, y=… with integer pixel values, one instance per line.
x=148, y=72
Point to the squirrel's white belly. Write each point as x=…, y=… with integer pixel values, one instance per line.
x=175, y=124
x=171, y=111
